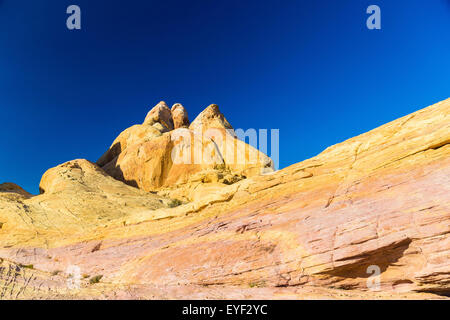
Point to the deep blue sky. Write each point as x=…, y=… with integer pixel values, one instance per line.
x=310, y=68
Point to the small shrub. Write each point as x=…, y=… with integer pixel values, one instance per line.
x=257, y=284
x=56, y=272
x=174, y=203
x=95, y=279
x=221, y=166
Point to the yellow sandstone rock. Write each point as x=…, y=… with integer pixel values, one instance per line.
x=151, y=159
x=317, y=229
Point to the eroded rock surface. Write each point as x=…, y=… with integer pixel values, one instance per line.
x=160, y=114
x=180, y=116
x=153, y=157
x=9, y=187
x=312, y=230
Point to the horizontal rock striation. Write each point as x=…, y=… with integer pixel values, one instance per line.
x=317, y=229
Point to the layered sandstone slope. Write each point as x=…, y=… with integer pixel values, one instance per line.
x=313, y=230
x=76, y=196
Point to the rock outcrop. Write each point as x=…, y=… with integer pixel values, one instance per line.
x=210, y=118
x=180, y=116
x=152, y=156
x=317, y=229
x=9, y=187
x=240, y=157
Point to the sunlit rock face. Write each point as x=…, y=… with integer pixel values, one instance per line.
x=180, y=116
x=9, y=187
x=153, y=156
x=322, y=228
x=161, y=115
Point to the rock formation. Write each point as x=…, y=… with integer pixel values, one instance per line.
x=180, y=116
x=317, y=229
x=209, y=118
x=160, y=115
x=152, y=156
x=13, y=188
